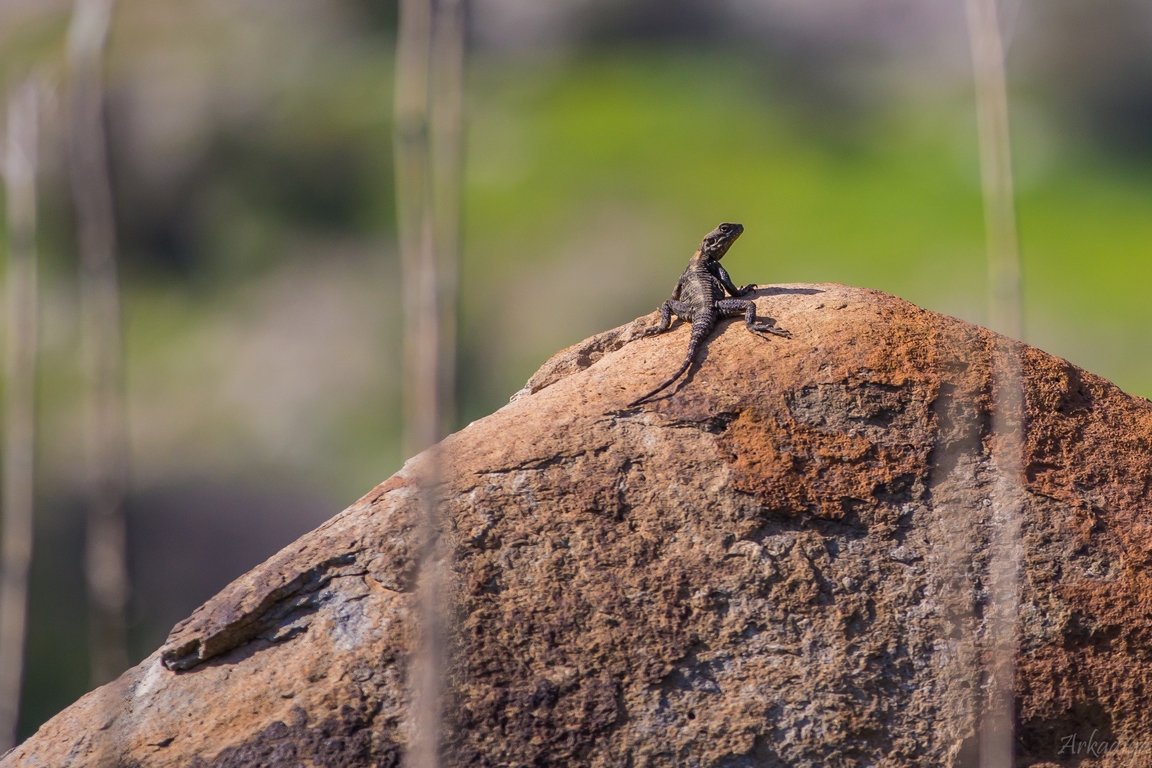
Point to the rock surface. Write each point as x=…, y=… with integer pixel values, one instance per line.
x=783, y=563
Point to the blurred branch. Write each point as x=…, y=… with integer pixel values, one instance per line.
x=428, y=150
x=448, y=32
x=415, y=225
x=20, y=167
x=1004, y=273
x=997, y=729
x=106, y=566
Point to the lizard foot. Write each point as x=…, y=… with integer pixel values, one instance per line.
x=763, y=330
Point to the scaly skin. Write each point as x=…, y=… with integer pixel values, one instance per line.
x=699, y=299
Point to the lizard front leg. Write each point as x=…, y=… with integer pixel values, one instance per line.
x=737, y=307
x=725, y=279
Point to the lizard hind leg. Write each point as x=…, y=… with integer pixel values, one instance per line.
x=667, y=309
x=762, y=327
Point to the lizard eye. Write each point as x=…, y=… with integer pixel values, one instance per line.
x=725, y=228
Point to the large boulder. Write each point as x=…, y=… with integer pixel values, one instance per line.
x=784, y=561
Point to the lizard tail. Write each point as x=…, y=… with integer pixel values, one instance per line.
x=665, y=385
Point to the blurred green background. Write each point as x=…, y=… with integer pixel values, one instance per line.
x=252, y=167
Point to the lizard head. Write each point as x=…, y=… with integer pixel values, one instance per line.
x=717, y=242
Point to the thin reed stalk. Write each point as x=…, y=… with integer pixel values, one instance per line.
x=106, y=436
x=1006, y=316
x=428, y=151
x=20, y=363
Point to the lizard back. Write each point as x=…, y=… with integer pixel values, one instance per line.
x=699, y=288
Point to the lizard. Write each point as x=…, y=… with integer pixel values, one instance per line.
x=699, y=299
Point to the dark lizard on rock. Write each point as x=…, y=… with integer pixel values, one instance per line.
x=699, y=299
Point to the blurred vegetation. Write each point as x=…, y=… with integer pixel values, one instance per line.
x=252, y=160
